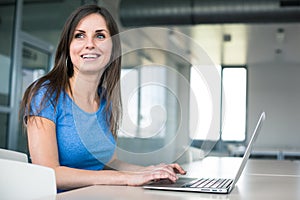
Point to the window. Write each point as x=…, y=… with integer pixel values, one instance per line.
x=234, y=82
x=130, y=102
x=144, y=102
x=201, y=107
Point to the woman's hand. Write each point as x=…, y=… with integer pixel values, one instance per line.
x=154, y=173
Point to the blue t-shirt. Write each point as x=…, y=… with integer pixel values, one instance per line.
x=84, y=139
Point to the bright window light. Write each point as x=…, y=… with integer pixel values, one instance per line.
x=201, y=109
x=129, y=93
x=234, y=81
x=143, y=94
x=234, y=103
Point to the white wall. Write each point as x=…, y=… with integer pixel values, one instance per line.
x=274, y=84
x=274, y=87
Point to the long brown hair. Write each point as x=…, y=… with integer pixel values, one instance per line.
x=57, y=79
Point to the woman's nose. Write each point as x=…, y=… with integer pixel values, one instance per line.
x=90, y=43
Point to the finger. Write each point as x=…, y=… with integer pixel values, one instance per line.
x=168, y=168
x=178, y=169
x=159, y=175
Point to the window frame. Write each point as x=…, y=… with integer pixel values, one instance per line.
x=139, y=114
x=221, y=145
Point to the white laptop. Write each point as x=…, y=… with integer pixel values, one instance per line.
x=214, y=184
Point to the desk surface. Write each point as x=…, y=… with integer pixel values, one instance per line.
x=261, y=179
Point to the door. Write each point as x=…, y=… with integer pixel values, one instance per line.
x=36, y=57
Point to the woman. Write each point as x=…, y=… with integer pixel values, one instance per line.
x=72, y=113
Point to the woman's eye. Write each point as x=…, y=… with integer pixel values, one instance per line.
x=79, y=35
x=101, y=36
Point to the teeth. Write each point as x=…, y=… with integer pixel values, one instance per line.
x=89, y=56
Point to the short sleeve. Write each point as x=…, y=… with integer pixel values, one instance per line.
x=44, y=109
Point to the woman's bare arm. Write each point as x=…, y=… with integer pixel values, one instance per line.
x=43, y=151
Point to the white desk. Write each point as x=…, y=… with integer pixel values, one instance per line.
x=262, y=179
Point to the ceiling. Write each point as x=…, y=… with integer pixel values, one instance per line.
x=231, y=32
x=228, y=44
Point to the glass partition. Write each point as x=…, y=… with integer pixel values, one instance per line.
x=3, y=129
x=45, y=19
x=7, y=11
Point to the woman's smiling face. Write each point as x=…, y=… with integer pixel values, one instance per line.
x=91, y=45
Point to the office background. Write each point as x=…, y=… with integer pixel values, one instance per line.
x=29, y=31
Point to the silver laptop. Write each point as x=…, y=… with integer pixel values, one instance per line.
x=210, y=185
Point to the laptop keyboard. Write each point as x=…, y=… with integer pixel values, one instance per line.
x=209, y=183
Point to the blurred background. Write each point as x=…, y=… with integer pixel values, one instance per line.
x=173, y=108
